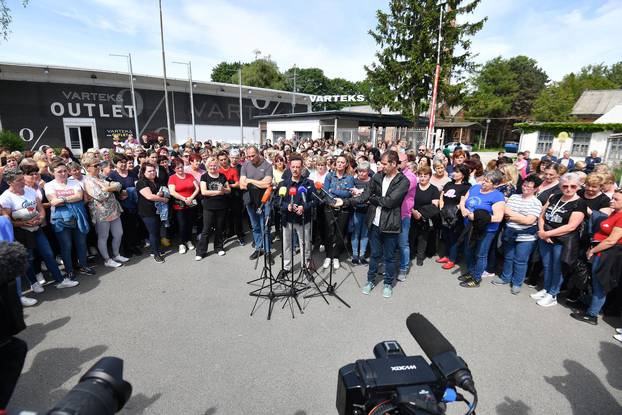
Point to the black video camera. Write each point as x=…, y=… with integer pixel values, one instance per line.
x=101, y=391
x=398, y=384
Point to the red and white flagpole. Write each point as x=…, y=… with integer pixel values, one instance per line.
x=430, y=137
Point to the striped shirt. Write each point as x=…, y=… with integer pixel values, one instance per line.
x=528, y=207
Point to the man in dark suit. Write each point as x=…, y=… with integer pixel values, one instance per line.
x=592, y=161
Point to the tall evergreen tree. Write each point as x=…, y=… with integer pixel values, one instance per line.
x=403, y=75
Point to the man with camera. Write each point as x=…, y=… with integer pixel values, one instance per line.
x=385, y=195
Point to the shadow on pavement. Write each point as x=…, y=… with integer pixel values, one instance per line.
x=139, y=404
x=36, y=333
x=611, y=356
x=42, y=386
x=210, y=411
x=584, y=391
x=512, y=407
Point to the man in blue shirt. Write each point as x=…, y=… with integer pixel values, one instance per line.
x=592, y=161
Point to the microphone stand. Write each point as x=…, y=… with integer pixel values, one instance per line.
x=292, y=291
x=330, y=286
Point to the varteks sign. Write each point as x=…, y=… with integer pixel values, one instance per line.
x=337, y=98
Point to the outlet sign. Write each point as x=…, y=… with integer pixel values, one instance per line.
x=337, y=98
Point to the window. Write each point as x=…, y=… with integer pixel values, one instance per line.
x=277, y=135
x=615, y=149
x=303, y=135
x=580, y=144
x=545, y=141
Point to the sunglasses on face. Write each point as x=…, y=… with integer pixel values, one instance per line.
x=570, y=186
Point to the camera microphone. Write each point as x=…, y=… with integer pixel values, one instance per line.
x=13, y=261
x=440, y=351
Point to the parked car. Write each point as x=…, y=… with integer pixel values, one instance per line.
x=511, y=147
x=452, y=146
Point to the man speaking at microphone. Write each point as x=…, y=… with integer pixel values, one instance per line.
x=385, y=194
x=297, y=210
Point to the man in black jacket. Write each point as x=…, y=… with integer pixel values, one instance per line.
x=296, y=212
x=385, y=195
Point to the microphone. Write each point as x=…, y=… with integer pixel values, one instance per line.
x=440, y=351
x=327, y=197
x=282, y=191
x=292, y=193
x=303, y=192
x=266, y=195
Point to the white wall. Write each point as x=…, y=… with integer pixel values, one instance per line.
x=228, y=134
x=598, y=142
x=291, y=126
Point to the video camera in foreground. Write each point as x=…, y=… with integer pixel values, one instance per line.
x=394, y=383
x=101, y=391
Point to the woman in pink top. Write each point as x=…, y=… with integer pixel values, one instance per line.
x=407, y=205
x=521, y=164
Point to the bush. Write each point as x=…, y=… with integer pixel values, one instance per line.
x=10, y=140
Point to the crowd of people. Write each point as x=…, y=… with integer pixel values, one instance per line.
x=550, y=223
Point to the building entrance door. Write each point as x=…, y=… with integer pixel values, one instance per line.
x=80, y=134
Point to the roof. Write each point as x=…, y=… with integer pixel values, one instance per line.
x=82, y=76
x=364, y=118
x=613, y=116
x=597, y=102
x=458, y=124
x=370, y=110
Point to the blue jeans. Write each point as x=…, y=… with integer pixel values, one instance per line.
x=65, y=238
x=477, y=256
x=153, y=224
x=450, y=239
x=383, y=246
x=598, y=292
x=258, y=224
x=404, y=245
x=552, y=263
x=359, y=234
x=516, y=259
x=45, y=252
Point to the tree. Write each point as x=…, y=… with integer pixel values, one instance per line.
x=224, y=71
x=10, y=140
x=407, y=35
x=506, y=88
x=6, y=18
x=262, y=73
x=556, y=101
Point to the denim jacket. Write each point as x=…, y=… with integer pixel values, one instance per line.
x=339, y=187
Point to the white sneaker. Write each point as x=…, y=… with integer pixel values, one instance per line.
x=221, y=253
x=486, y=274
x=336, y=264
x=190, y=245
x=28, y=302
x=322, y=248
x=619, y=331
x=326, y=263
x=547, y=301
x=112, y=263
x=182, y=249
x=198, y=258
x=618, y=337
x=539, y=295
x=40, y=278
x=67, y=283
x=121, y=258
x=36, y=287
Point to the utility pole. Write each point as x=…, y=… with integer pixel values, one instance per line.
x=241, y=118
x=131, y=74
x=191, y=86
x=429, y=141
x=168, y=115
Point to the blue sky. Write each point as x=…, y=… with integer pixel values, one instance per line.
x=561, y=35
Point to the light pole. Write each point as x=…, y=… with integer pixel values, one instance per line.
x=294, y=94
x=437, y=74
x=168, y=115
x=131, y=73
x=190, y=85
x=241, y=119
x=486, y=133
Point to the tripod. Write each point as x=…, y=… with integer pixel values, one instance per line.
x=266, y=273
x=330, y=286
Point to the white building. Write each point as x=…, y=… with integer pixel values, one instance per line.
x=593, y=107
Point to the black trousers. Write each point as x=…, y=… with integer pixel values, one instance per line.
x=133, y=231
x=235, y=215
x=419, y=236
x=12, y=356
x=213, y=224
x=335, y=231
x=185, y=221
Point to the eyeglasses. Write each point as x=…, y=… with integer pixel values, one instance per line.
x=569, y=186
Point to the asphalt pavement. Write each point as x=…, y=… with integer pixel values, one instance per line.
x=190, y=345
